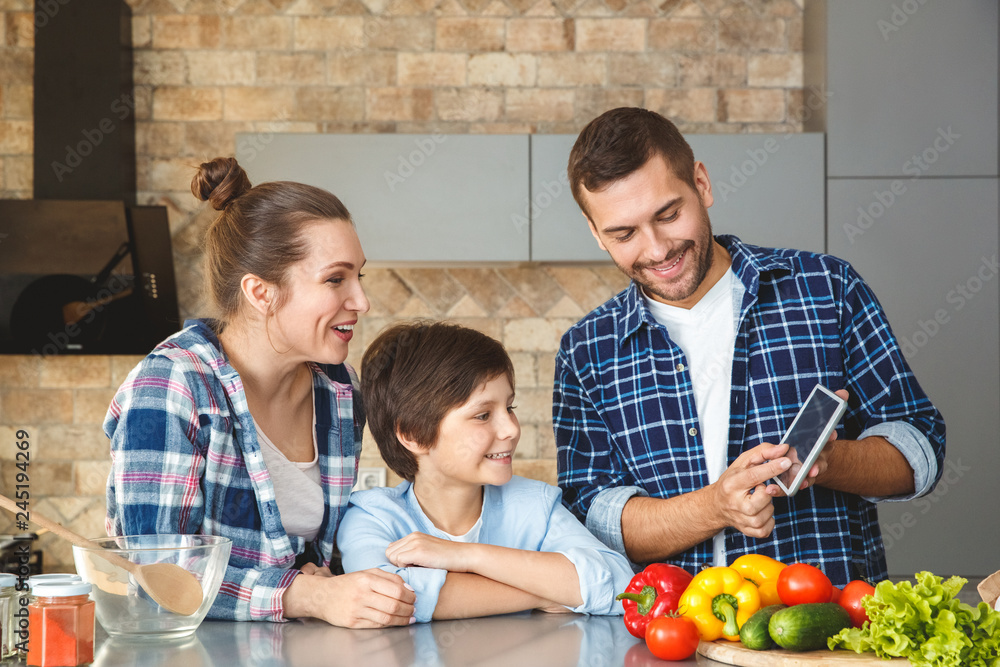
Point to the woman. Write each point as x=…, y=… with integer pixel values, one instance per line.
x=245, y=426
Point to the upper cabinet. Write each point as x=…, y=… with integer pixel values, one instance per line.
x=503, y=198
x=414, y=198
x=911, y=87
x=768, y=190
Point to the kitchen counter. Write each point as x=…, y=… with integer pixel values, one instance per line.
x=523, y=639
x=518, y=640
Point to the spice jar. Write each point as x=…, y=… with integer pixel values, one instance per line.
x=60, y=625
x=8, y=605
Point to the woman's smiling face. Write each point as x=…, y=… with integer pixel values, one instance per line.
x=322, y=295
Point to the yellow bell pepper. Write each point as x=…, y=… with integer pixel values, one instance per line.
x=763, y=571
x=719, y=601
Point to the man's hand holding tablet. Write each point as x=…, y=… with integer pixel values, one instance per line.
x=813, y=427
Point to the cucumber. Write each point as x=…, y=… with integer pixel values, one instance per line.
x=754, y=632
x=805, y=627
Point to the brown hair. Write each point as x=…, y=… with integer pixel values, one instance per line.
x=620, y=141
x=258, y=230
x=414, y=373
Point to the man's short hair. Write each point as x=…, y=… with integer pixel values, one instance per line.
x=619, y=142
x=414, y=373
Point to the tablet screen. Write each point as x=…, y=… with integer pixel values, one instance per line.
x=807, y=431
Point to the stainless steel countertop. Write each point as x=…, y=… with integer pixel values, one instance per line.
x=518, y=640
x=552, y=640
x=513, y=640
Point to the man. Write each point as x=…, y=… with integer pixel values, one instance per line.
x=670, y=396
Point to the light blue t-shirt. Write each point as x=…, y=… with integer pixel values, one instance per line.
x=521, y=514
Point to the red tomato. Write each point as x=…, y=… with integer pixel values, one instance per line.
x=835, y=594
x=672, y=637
x=800, y=583
x=850, y=600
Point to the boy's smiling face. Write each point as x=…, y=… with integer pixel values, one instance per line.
x=476, y=440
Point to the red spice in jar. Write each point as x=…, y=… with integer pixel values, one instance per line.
x=61, y=625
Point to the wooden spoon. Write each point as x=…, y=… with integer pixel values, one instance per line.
x=169, y=585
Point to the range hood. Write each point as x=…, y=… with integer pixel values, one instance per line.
x=83, y=269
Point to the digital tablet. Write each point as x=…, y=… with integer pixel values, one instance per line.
x=808, y=434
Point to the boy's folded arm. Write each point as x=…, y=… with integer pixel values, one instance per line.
x=551, y=576
x=440, y=594
x=548, y=575
x=468, y=595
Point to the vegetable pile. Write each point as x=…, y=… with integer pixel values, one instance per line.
x=924, y=622
x=927, y=624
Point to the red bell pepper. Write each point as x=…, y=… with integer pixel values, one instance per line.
x=652, y=593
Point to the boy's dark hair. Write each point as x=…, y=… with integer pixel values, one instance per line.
x=414, y=373
x=620, y=141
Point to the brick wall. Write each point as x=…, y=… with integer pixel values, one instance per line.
x=205, y=70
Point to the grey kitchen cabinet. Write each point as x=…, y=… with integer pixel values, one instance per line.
x=768, y=190
x=473, y=198
x=414, y=198
x=928, y=248
x=911, y=87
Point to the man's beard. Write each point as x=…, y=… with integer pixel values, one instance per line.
x=692, y=279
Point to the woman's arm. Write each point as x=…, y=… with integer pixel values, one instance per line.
x=366, y=599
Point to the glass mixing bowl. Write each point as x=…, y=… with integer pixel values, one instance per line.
x=125, y=610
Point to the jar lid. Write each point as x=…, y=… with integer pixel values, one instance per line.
x=61, y=589
x=7, y=580
x=54, y=578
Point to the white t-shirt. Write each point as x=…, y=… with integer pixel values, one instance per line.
x=472, y=536
x=297, y=489
x=706, y=334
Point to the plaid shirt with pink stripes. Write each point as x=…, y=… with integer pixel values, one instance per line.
x=185, y=459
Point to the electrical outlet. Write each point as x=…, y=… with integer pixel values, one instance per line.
x=369, y=478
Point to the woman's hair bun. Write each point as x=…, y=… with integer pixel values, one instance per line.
x=219, y=182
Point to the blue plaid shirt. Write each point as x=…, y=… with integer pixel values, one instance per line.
x=626, y=424
x=185, y=459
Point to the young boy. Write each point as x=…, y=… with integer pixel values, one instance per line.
x=467, y=535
